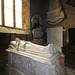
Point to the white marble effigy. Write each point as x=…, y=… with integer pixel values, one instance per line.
x=26, y=58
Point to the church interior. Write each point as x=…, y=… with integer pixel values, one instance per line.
x=43, y=24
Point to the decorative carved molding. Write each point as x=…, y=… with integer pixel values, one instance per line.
x=24, y=64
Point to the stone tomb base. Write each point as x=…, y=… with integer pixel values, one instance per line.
x=25, y=63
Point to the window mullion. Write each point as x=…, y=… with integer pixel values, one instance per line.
x=2, y=13
x=14, y=13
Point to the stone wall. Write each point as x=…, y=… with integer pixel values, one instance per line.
x=26, y=16
x=44, y=14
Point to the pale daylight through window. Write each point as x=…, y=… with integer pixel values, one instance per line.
x=0, y=14
x=11, y=13
x=8, y=12
x=18, y=13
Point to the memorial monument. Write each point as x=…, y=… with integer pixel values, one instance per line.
x=26, y=58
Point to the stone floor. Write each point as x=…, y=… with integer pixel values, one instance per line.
x=70, y=71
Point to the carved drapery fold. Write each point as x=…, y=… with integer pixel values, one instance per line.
x=55, y=13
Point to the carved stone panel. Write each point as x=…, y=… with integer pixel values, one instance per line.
x=25, y=65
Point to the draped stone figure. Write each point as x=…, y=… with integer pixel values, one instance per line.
x=55, y=13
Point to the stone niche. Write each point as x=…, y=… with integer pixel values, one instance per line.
x=26, y=58
x=36, y=29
